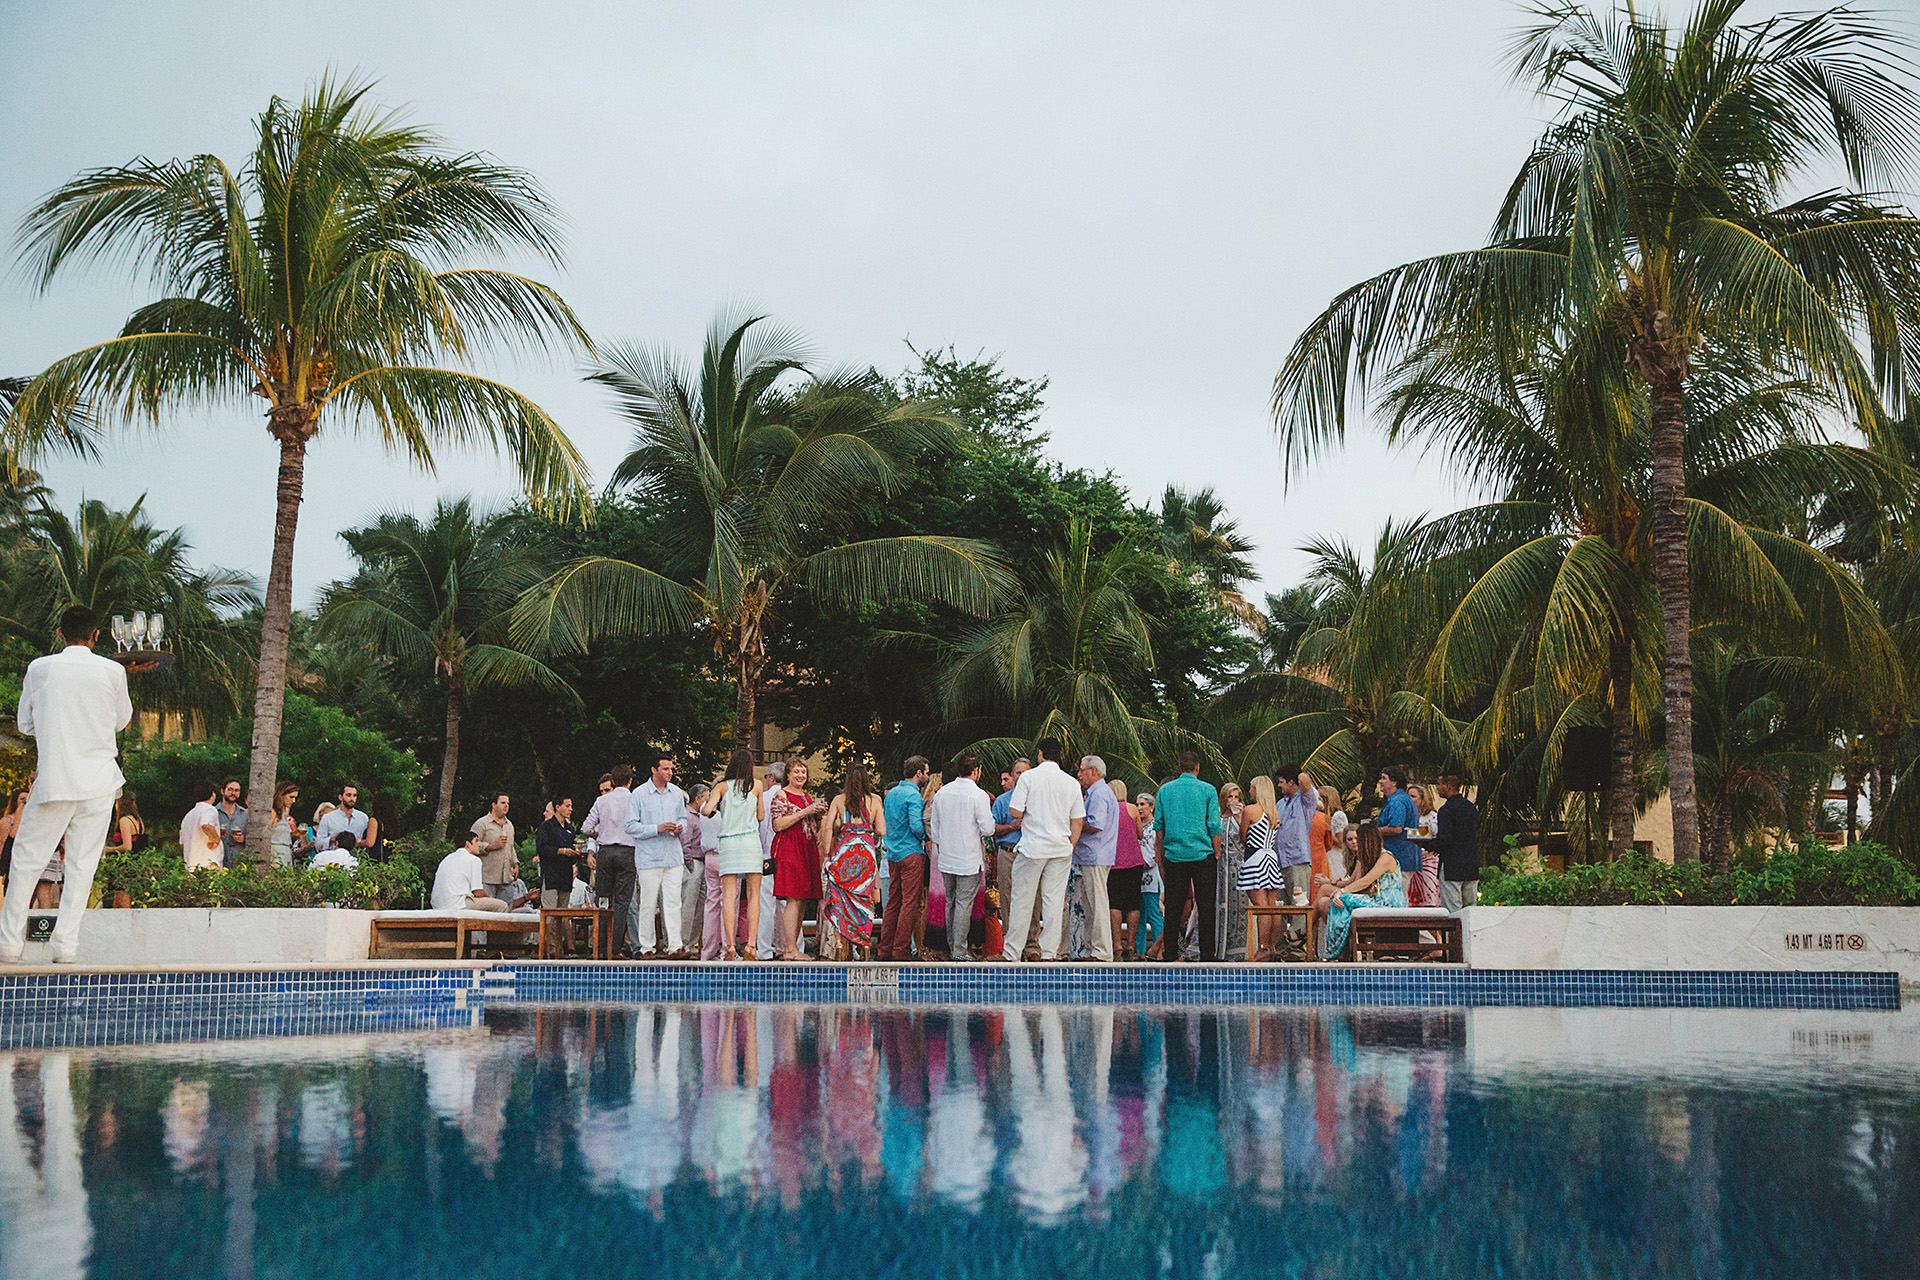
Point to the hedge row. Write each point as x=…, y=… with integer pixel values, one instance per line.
x=1814, y=875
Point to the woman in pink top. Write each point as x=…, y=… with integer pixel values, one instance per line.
x=1123, y=882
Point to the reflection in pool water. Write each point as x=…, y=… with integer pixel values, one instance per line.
x=1026, y=1141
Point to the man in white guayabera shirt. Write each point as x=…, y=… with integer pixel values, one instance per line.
x=959, y=821
x=72, y=703
x=1050, y=810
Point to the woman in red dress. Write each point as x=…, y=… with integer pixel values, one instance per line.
x=796, y=856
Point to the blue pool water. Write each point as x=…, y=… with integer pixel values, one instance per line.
x=1030, y=1141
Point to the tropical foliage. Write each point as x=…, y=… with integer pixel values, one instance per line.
x=1682, y=379
x=330, y=276
x=1658, y=214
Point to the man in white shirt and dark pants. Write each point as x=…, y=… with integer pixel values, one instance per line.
x=72, y=703
x=959, y=820
x=1050, y=809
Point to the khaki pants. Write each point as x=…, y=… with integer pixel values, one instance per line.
x=1044, y=879
x=1458, y=894
x=1003, y=880
x=477, y=903
x=1093, y=900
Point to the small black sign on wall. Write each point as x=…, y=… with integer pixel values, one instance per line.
x=40, y=927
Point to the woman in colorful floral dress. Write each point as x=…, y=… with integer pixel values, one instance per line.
x=855, y=824
x=1339, y=901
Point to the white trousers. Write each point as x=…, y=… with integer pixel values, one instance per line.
x=658, y=887
x=43, y=824
x=1048, y=878
x=769, y=913
x=1093, y=900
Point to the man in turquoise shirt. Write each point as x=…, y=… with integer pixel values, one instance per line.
x=905, y=845
x=1186, y=813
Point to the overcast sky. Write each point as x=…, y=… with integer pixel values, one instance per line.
x=1145, y=203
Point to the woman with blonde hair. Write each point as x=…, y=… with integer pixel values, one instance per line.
x=1260, y=874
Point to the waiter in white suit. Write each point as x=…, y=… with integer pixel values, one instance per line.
x=72, y=703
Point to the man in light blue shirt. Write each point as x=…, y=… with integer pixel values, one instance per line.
x=1093, y=855
x=1297, y=802
x=655, y=817
x=1399, y=816
x=905, y=845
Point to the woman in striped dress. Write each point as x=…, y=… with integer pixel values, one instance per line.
x=1260, y=875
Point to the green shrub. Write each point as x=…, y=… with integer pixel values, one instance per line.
x=159, y=878
x=321, y=748
x=1863, y=874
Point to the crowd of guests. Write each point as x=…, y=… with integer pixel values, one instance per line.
x=1055, y=865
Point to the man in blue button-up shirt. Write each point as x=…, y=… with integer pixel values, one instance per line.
x=906, y=848
x=1297, y=802
x=1094, y=852
x=655, y=817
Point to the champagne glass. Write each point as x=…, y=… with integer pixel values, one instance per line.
x=156, y=627
x=139, y=626
x=120, y=631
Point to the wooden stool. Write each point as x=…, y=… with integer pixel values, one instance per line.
x=1280, y=911
x=600, y=941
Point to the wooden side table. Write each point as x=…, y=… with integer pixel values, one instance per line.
x=1281, y=911
x=600, y=940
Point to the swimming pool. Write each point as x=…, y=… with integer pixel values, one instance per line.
x=803, y=1140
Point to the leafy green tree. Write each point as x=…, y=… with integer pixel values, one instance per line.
x=757, y=487
x=1658, y=205
x=999, y=410
x=327, y=277
x=322, y=749
x=437, y=599
x=117, y=562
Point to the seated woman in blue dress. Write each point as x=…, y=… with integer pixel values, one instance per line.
x=1374, y=869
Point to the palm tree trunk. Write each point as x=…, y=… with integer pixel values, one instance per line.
x=1620, y=783
x=1853, y=811
x=747, y=666
x=270, y=681
x=449, y=762
x=1883, y=749
x=1670, y=569
x=1720, y=837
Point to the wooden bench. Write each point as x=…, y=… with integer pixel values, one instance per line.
x=1380, y=933
x=440, y=935
x=1280, y=911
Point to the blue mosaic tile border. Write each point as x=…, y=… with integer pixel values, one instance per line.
x=43, y=994
x=1415, y=985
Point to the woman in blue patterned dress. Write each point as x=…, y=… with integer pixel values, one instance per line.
x=1338, y=901
x=1260, y=876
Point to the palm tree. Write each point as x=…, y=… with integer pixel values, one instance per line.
x=1349, y=700
x=1657, y=206
x=1565, y=613
x=438, y=598
x=1207, y=549
x=327, y=278
x=758, y=483
x=115, y=562
x=1069, y=656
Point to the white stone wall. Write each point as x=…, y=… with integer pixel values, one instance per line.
x=145, y=937
x=1876, y=939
